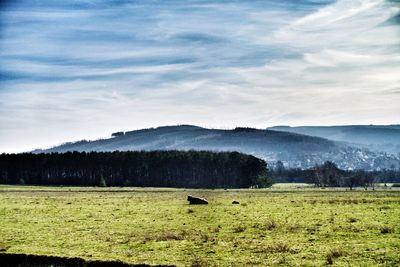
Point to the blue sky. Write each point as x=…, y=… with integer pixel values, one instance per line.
x=85, y=68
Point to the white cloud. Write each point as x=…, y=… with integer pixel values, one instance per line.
x=84, y=73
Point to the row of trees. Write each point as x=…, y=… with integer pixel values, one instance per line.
x=329, y=175
x=195, y=169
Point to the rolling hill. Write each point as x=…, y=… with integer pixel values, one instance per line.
x=295, y=150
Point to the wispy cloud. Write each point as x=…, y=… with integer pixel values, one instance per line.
x=82, y=69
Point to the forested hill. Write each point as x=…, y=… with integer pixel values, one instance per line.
x=374, y=137
x=295, y=150
x=186, y=137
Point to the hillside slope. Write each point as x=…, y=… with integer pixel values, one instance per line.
x=295, y=150
x=374, y=137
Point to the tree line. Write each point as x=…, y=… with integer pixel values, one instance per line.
x=193, y=169
x=329, y=175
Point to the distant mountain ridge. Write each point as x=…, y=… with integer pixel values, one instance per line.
x=374, y=137
x=295, y=150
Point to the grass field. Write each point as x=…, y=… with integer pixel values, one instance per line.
x=305, y=227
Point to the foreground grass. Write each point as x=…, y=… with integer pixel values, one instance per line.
x=157, y=226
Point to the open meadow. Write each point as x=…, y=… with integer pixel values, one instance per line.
x=305, y=227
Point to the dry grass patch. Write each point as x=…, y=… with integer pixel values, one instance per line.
x=239, y=229
x=386, y=230
x=270, y=225
x=293, y=228
x=190, y=211
x=280, y=247
x=166, y=236
x=352, y=220
x=334, y=254
x=199, y=262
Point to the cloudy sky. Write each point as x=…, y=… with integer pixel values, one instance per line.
x=82, y=69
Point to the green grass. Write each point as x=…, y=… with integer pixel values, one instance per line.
x=310, y=227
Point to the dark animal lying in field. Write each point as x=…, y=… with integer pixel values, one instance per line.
x=235, y=202
x=196, y=200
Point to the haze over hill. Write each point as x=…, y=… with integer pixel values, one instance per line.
x=295, y=150
x=374, y=137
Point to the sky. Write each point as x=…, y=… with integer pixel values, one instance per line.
x=82, y=69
